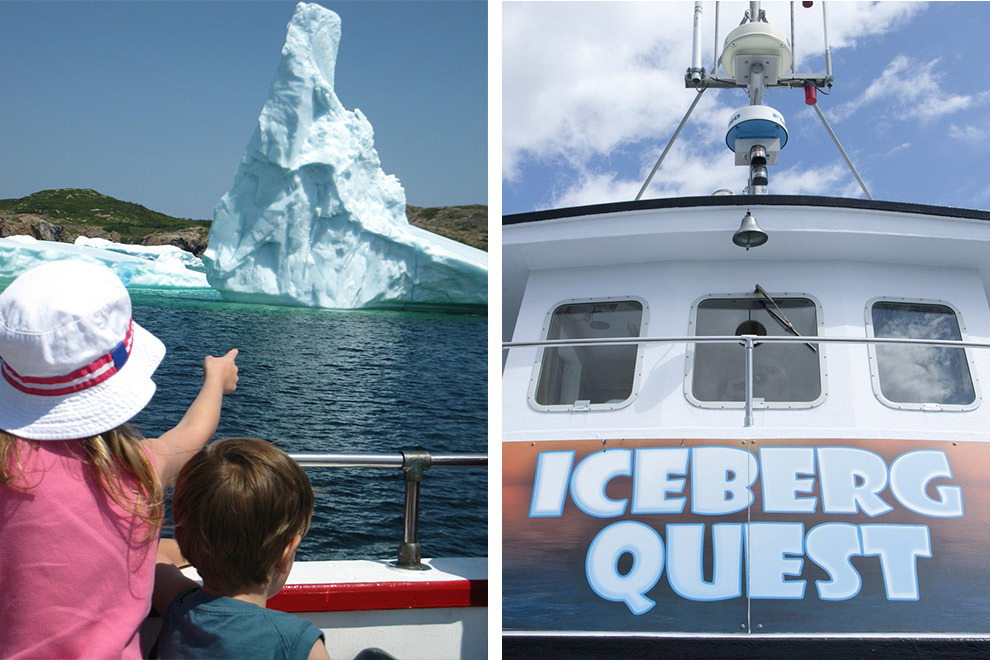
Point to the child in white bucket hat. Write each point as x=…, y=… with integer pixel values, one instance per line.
x=81, y=494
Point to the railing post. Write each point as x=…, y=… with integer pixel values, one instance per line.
x=748, y=345
x=414, y=464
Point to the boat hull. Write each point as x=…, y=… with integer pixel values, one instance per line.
x=700, y=536
x=433, y=614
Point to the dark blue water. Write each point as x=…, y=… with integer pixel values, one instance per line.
x=316, y=380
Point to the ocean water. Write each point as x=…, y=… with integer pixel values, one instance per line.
x=315, y=380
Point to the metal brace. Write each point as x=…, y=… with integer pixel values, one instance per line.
x=414, y=464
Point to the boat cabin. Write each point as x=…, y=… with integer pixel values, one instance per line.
x=705, y=439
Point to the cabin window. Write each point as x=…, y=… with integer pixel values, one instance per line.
x=785, y=375
x=576, y=377
x=935, y=377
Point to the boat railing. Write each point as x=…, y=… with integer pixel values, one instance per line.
x=413, y=463
x=748, y=342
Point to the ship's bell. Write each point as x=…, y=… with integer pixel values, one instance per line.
x=749, y=233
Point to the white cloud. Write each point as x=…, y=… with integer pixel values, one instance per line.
x=700, y=173
x=851, y=22
x=833, y=179
x=896, y=150
x=968, y=133
x=684, y=175
x=910, y=89
x=595, y=189
x=582, y=78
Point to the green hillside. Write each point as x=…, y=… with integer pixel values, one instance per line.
x=73, y=207
x=66, y=213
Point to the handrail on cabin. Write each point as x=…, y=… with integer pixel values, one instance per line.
x=748, y=342
x=413, y=464
x=739, y=339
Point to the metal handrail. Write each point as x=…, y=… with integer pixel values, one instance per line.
x=385, y=460
x=740, y=339
x=749, y=342
x=413, y=464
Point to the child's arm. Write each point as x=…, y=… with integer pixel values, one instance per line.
x=169, y=580
x=177, y=445
x=319, y=651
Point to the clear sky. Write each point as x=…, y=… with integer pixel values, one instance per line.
x=591, y=93
x=154, y=102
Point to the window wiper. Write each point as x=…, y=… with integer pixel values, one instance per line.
x=780, y=317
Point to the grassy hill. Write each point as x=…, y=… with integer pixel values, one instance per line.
x=72, y=207
x=467, y=224
x=64, y=214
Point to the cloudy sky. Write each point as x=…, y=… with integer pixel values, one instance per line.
x=154, y=102
x=592, y=91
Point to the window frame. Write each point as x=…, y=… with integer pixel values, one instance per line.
x=758, y=404
x=579, y=406
x=875, y=366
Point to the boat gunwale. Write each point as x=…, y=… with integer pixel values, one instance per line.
x=771, y=646
x=744, y=200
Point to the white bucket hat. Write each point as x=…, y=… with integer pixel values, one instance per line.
x=74, y=362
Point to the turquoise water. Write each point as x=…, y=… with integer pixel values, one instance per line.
x=341, y=381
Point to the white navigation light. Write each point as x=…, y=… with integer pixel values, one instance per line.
x=760, y=43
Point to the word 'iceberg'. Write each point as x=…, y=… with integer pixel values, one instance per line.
x=311, y=218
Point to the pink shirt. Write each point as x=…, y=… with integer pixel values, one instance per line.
x=76, y=570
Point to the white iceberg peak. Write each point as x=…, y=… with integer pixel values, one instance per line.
x=311, y=218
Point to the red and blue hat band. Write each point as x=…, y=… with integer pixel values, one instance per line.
x=91, y=375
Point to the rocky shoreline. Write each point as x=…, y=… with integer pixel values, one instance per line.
x=467, y=224
x=42, y=228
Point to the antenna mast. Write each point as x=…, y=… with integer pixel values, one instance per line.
x=756, y=55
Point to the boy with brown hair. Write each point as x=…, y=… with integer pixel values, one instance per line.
x=241, y=507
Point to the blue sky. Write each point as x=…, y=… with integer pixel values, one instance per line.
x=154, y=102
x=591, y=93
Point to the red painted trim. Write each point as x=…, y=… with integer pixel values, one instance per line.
x=380, y=596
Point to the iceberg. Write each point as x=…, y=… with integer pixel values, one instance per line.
x=167, y=256
x=133, y=264
x=311, y=218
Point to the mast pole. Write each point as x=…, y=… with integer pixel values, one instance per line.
x=715, y=63
x=696, y=73
x=828, y=49
x=793, y=50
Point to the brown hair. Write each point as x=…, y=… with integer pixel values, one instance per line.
x=112, y=456
x=238, y=503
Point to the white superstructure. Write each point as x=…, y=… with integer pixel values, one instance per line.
x=839, y=254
